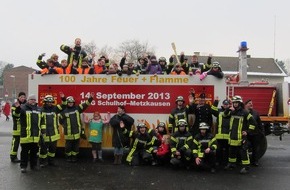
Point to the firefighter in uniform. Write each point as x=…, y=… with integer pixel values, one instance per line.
x=30, y=116
x=204, y=148
x=242, y=123
x=222, y=130
x=141, y=148
x=202, y=112
x=49, y=130
x=70, y=118
x=75, y=54
x=180, y=112
x=256, y=137
x=16, y=128
x=180, y=145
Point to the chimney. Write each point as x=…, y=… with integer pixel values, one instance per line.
x=197, y=53
x=243, y=64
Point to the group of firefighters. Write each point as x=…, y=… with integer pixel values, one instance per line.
x=190, y=140
x=184, y=142
x=199, y=143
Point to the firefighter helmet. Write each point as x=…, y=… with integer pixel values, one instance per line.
x=161, y=124
x=182, y=122
x=216, y=64
x=203, y=125
x=237, y=99
x=141, y=125
x=70, y=99
x=163, y=59
x=49, y=99
x=179, y=98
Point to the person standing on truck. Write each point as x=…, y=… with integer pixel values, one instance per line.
x=70, y=119
x=49, y=129
x=255, y=137
x=76, y=53
x=222, y=129
x=180, y=112
x=96, y=125
x=85, y=68
x=30, y=117
x=215, y=70
x=16, y=128
x=119, y=140
x=65, y=68
x=153, y=66
x=51, y=68
x=194, y=66
x=242, y=124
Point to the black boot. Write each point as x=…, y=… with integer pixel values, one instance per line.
x=14, y=159
x=42, y=162
x=51, y=161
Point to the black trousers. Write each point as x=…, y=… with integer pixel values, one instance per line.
x=233, y=152
x=48, y=149
x=29, y=152
x=255, y=142
x=72, y=147
x=222, y=153
x=14, y=146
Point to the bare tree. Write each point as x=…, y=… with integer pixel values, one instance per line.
x=134, y=49
x=91, y=48
x=107, y=51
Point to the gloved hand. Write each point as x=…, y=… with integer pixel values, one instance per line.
x=83, y=134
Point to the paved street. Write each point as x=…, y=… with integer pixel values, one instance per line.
x=273, y=173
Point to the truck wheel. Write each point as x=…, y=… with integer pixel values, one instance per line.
x=262, y=147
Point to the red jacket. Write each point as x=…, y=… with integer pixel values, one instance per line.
x=6, y=109
x=163, y=149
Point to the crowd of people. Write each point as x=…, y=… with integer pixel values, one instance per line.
x=79, y=62
x=188, y=143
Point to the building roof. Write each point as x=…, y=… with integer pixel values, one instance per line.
x=256, y=66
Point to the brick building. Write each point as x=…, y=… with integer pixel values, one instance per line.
x=15, y=80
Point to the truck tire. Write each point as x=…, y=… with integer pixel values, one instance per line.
x=262, y=147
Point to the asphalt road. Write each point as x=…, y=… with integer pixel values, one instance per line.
x=273, y=173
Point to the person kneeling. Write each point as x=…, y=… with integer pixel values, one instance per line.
x=204, y=148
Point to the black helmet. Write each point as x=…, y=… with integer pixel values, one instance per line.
x=203, y=125
x=48, y=99
x=179, y=98
x=70, y=99
x=182, y=122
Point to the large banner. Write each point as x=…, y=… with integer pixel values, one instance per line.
x=137, y=99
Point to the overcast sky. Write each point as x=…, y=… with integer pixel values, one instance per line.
x=31, y=27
